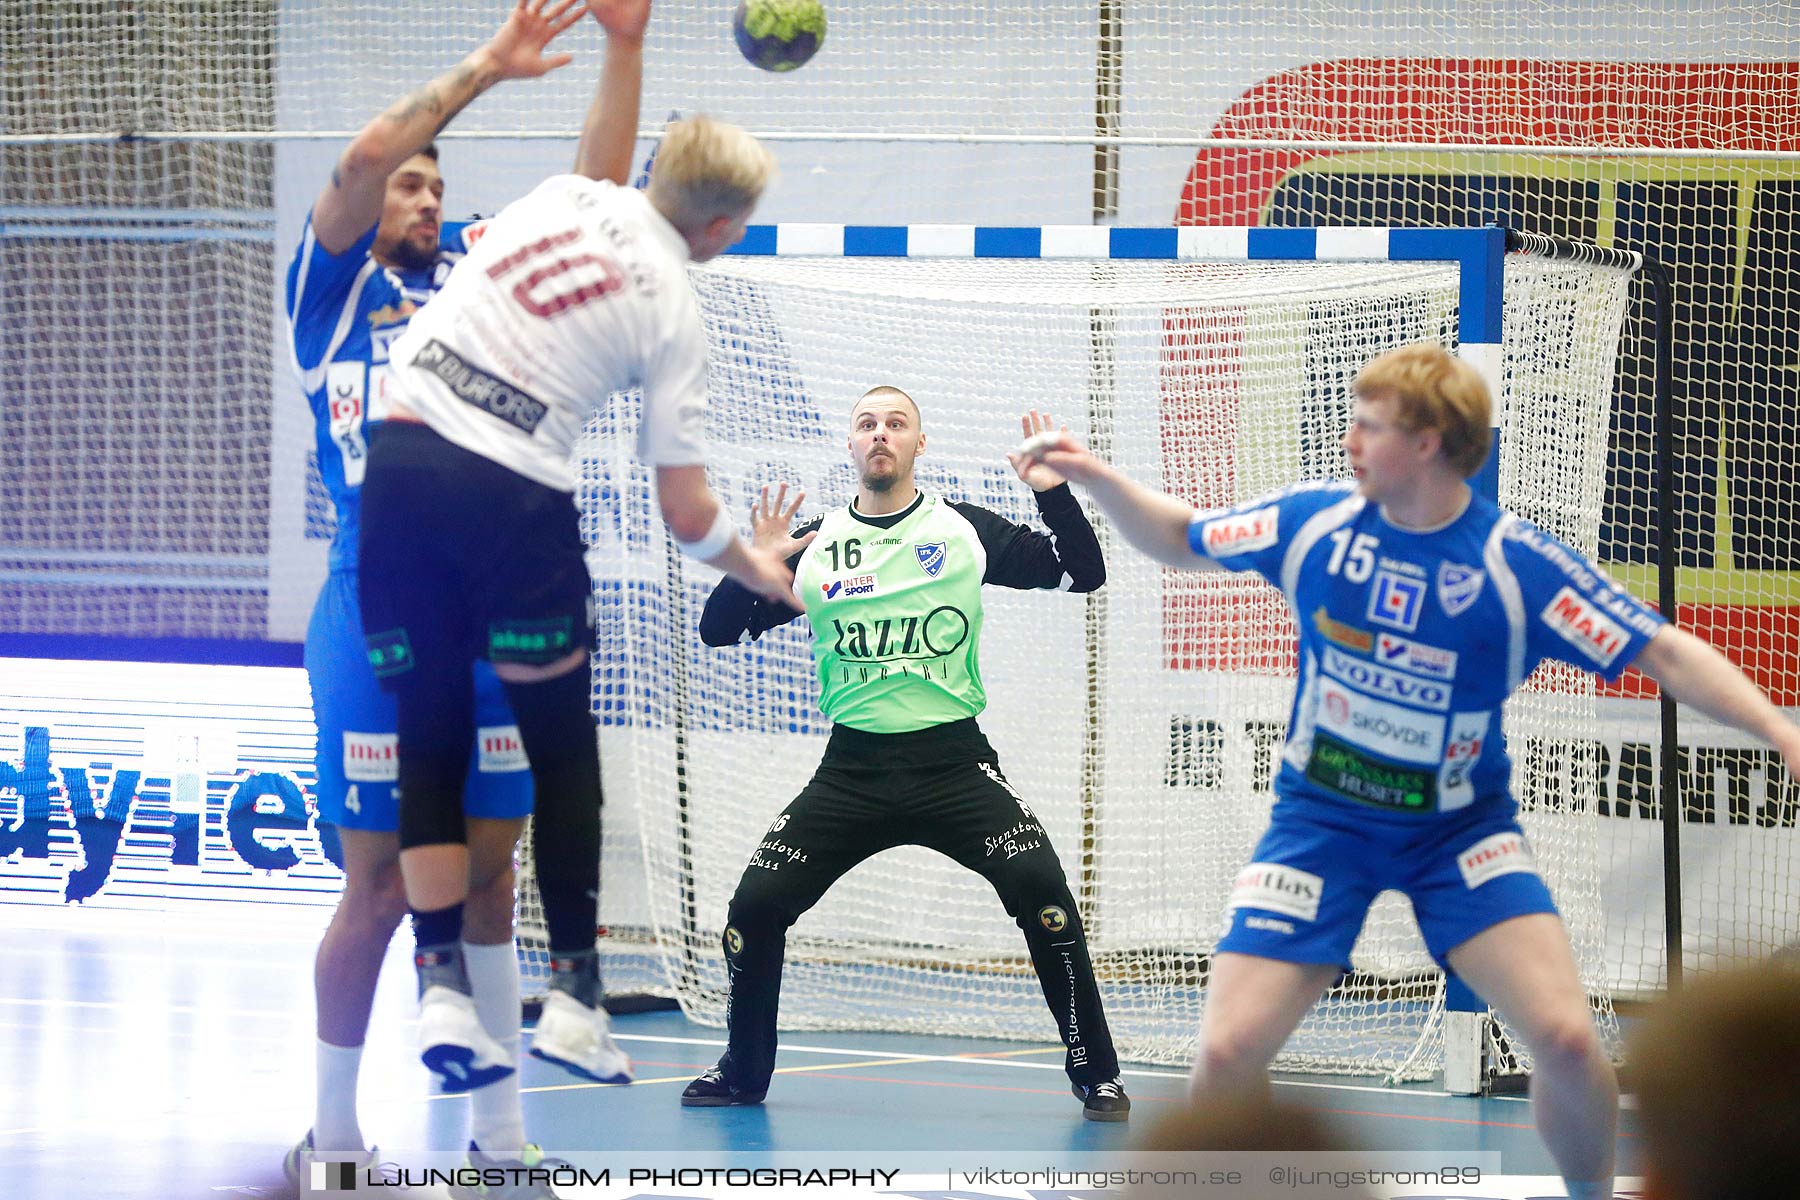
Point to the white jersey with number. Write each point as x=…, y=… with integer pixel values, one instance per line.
x=578, y=290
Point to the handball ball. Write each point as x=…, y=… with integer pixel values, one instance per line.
x=779, y=35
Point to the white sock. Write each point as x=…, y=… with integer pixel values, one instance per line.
x=1595, y=1189
x=496, y=1121
x=334, y=1115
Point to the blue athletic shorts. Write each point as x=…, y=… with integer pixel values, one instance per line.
x=1303, y=897
x=357, y=758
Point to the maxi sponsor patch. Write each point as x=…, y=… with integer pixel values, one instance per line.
x=1240, y=533
x=1578, y=621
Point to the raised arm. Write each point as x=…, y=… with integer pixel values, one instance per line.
x=1695, y=673
x=609, y=131
x=351, y=202
x=1151, y=521
x=734, y=610
x=704, y=530
x=1021, y=557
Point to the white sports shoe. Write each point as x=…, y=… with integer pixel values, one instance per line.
x=312, y=1172
x=579, y=1039
x=453, y=1043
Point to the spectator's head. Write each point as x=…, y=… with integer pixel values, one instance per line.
x=1295, y=1139
x=1716, y=1069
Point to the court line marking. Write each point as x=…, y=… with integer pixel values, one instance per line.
x=992, y=1058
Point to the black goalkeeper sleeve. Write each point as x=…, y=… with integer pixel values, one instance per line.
x=1068, y=558
x=734, y=610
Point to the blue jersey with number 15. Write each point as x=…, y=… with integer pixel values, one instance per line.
x=344, y=312
x=1410, y=641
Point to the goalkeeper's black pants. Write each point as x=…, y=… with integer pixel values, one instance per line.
x=939, y=787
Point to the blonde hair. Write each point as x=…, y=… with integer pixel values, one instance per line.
x=1434, y=390
x=706, y=169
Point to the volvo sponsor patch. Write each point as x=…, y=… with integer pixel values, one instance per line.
x=1384, y=681
x=1278, y=888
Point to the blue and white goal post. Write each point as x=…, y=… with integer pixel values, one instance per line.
x=1479, y=254
x=799, y=282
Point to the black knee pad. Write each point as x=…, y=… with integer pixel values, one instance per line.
x=436, y=726
x=556, y=725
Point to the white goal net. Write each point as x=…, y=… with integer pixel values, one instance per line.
x=1141, y=723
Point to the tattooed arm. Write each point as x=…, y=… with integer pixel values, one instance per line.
x=351, y=201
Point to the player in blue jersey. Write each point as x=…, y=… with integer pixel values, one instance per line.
x=374, y=249
x=1421, y=607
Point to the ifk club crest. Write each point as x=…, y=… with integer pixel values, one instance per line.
x=931, y=556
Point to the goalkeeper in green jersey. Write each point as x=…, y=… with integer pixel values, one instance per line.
x=892, y=586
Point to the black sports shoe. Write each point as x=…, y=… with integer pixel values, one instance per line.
x=1103, y=1101
x=711, y=1091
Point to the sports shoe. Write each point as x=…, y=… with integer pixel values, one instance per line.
x=579, y=1039
x=712, y=1091
x=531, y=1157
x=1103, y=1101
x=453, y=1043
x=300, y=1160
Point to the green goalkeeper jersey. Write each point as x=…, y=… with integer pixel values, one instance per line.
x=895, y=602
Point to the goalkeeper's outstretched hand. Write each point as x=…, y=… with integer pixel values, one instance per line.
x=770, y=519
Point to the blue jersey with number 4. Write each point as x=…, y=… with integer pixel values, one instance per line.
x=1410, y=641
x=344, y=312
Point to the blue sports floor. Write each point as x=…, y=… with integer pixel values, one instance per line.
x=170, y=1055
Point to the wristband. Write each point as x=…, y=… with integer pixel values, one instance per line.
x=711, y=544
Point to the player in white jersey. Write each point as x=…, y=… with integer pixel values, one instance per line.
x=471, y=547
x=1420, y=607
x=374, y=249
